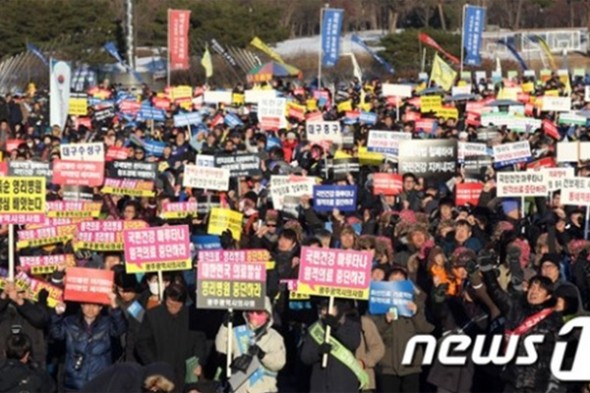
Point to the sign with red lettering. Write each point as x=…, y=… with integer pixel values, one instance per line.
x=521, y=184
x=78, y=173
x=85, y=285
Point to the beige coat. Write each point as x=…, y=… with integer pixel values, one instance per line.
x=371, y=350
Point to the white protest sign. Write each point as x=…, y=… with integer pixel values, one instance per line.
x=512, y=153
x=587, y=93
x=205, y=160
x=386, y=142
x=82, y=152
x=254, y=96
x=555, y=176
x=469, y=149
x=396, y=90
x=557, y=104
x=318, y=131
x=206, y=178
x=575, y=191
x=283, y=186
x=461, y=90
x=573, y=151
x=521, y=184
x=217, y=97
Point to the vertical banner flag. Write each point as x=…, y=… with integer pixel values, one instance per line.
x=207, y=63
x=331, y=27
x=358, y=40
x=537, y=39
x=37, y=52
x=178, y=24
x=514, y=53
x=427, y=40
x=261, y=45
x=473, y=25
x=217, y=47
x=59, y=92
x=442, y=73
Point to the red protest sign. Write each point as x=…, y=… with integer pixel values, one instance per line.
x=468, y=193
x=425, y=125
x=546, y=162
x=88, y=285
x=387, y=183
x=82, y=121
x=551, y=129
x=117, y=153
x=78, y=173
x=12, y=144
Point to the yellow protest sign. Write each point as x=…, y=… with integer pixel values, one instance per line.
x=181, y=92
x=509, y=93
x=345, y=106
x=430, y=103
x=369, y=158
x=22, y=195
x=365, y=106
x=238, y=99
x=448, y=113
x=341, y=154
x=312, y=104
x=528, y=87
x=222, y=219
x=552, y=93
x=78, y=107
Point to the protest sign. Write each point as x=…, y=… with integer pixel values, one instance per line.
x=85, y=285
x=318, y=131
x=205, y=160
x=206, y=178
x=511, y=153
x=207, y=202
x=187, y=119
x=218, y=97
x=511, y=121
x=77, y=193
x=103, y=235
x=254, y=96
x=387, y=184
x=468, y=193
x=239, y=165
x=428, y=158
x=328, y=198
x=555, y=176
x=132, y=170
x=571, y=118
x=227, y=284
x=557, y=104
x=131, y=187
x=521, y=184
x=30, y=169
x=391, y=297
x=573, y=151
x=22, y=200
x=338, y=273
x=154, y=148
x=206, y=242
x=339, y=168
x=425, y=125
x=430, y=103
x=78, y=106
x=396, y=90
x=78, y=173
x=467, y=149
x=575, y=191
x=272, y=107
x=45, y=264
x=45, y=235
x=177, y=210
x=386, y=142
x=283, y=186
x=32, y=287
x=157, y=248
x=223, y=219
x=73, y=209
x=117, y=153
x=236, y=256
x=82, y=152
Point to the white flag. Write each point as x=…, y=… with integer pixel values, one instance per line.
x=59, y=92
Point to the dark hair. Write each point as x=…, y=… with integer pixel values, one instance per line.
x=17, y=346
x=544, y=282
x=397, y=269
x=175, y=292
x=463, y=223
x=289, y=234
x=409, y=175
x=311, y=241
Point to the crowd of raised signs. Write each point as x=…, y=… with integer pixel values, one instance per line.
x=342, y=221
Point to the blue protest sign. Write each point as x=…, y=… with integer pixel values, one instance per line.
x=368, y=118
x=473, y=25
x=154, y=148
x=151, y=113
x=206, y=242
x=331, y=28
x=327, y=198
x=187, y=119
x=232, y=120
x=385, y=295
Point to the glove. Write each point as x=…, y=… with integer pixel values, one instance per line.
x=226, y=240
x=439, y=294
x=227, y=318
x=241, y=363
x=255, y=350
x=486, y=260
x=325, y=348
x=471, y=266
x=332, y=321
x=513, y=254
x=42, y=297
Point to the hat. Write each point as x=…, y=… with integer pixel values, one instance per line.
x=570, y=295
x=509, y=205
x=251, y=195
x=551, y=258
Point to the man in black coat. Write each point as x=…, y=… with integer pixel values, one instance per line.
x=169, y=334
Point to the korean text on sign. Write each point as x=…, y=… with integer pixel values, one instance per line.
x=22, y=200
x=88, y=285
x=339, y=273
x=521, y=184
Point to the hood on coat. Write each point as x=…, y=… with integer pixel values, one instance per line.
x=268, y=309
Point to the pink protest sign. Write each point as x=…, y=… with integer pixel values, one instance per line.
x=161, y=248
x=250, y=256
x=338, y=273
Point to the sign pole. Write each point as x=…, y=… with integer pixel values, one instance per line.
x=230, y=334
x=522, y=209
x=168, y=52
x=462, y=41
x=397, y=104
x=11, y=252
x=586, y=227
x=328, y=333
x=161, y=285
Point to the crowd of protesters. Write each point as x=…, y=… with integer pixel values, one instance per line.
x=476, y=269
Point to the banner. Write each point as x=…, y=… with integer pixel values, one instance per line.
x=30, y=169
x=104, y=235
x=328, y=198
x=576, y=191
x=239, y=165
x=338, y=273
x=82, y=152
x=206, y=178
x=442, y=73
x=227, y=284
x=259, y=44
x=557, y=104
x=511, y=153
x=330, y=34
x=386, y=142
x=427, y=40
x=555, y=177
x=358, y=40
x=157, y=249
x=391, y=297
x=178, y=52
x=45, y=264
x=78, y=173
x=468, y=193
x=22, y=200
x=473, y=25
x=428, y=158
x=45, y=235
x=521, y=184
x=318, y=131
x=59, y=92
x=229, y=59
x=132, y=170
x=470, y=149
x=85, y=285
x=222, y=219
x=387, y=184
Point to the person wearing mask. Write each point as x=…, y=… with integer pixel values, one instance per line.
x=87, y=335
x=410, y=197
x=343, y=372
x=170, y=333
x=255, y=339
